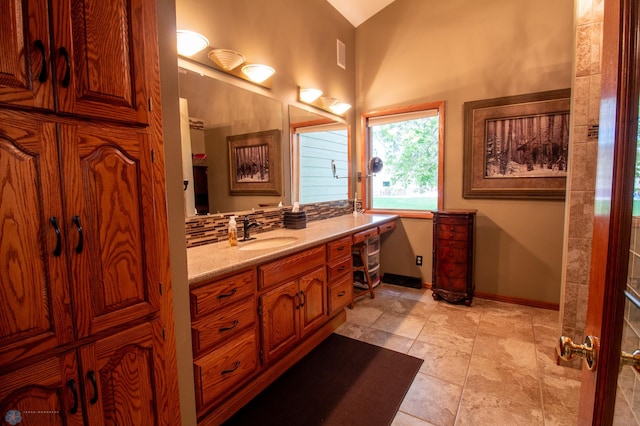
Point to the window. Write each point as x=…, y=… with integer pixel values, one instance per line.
x=319, y=148
x=410, y=143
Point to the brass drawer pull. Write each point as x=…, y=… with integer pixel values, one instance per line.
x=231, y=327
x=231, y=370
x=223, y=296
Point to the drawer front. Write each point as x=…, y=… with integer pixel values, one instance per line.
x=451, y=284
x=390, y=226
x=454, y=244
x=223, y=369
x=453, y=232
x=340, y=294
x=452, y=255
x=340, y=268
x=291, y=266
x=451, y=270
x=339, y=248
x=217, y=294
x=364, y=235
x=224, y=324
x=458, y=220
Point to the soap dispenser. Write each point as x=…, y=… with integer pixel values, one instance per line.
x=233, y=232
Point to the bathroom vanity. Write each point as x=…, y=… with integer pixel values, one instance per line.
x=259, y=307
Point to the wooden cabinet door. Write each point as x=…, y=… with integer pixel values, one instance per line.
x=45, y=393
x=313, y=293
x=103, y=50
x=35, y=311
x=25, y=67
x=109, y=191
x=123, y=380
x=280, y=323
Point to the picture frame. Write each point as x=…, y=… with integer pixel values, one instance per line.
x=516, y=147
x=255, y=163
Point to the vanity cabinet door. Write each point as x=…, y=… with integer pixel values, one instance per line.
x=280, y=320
x=313, y=293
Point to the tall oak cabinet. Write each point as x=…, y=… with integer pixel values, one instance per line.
x=86, y=322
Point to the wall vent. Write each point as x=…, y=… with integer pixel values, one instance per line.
x=342, y=55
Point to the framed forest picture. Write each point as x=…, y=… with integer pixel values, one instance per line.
x=517, y=146
x=255, y=163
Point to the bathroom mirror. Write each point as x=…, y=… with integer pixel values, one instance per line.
x=219, y=112
x=319, y=148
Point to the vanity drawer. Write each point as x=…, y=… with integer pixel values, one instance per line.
x=389, y=226
x=340, y=294
x=339, y=268
x=339, y=248
x=218, y=372
x=217, y=294
x=223, y=324
x=291, y=266
x=364, y=235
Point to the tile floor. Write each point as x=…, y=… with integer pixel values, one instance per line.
x=488, y=364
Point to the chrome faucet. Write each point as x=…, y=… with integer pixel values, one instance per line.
x=246, y=228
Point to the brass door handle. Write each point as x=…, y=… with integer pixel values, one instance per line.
x=588, y=351
x=631, y=359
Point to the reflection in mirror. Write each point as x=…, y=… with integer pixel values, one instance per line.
x=217, y=111
x=320, y=150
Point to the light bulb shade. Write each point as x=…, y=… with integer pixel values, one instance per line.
x=340, y=108
x=226, y=59
x=309, y=95
x=328, y=102
x=257, y=72
x=190, y=42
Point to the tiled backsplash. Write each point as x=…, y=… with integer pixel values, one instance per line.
x=201, y=230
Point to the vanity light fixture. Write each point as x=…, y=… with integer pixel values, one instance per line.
x=340, y=107
x=309, y=95
x=330, y=104
x=190, y=42
x=258, y=72
x=226, y=59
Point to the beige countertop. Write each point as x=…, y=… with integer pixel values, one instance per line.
x=213, y=260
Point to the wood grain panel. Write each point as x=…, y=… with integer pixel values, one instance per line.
x=364, y=235
x=340, y=294
x=113, y=197
x=339, y=248
x=21, y=61
x=389, y=226
x=280, y=323
x=291, y=266
x=34, y=299
x=313, y=292
x=340, y=268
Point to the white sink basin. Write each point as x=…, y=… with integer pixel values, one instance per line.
x=267, y=243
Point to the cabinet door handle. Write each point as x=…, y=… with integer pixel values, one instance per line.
x=74, y=391
x=56, y=229
x=224, y=296
x=342, y=293
x=76, y=221
x=303, y=299
x=67, y=68
x=297, y=301
x=231, y=370
x=92, y=379
x=231, y=327
x=42, y=77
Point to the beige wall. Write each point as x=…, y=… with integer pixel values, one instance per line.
x=464, y=50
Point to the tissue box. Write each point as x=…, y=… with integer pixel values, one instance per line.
x=295, y=220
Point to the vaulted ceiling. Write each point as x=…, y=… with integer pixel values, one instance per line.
x=358, y=11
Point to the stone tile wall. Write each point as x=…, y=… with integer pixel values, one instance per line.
x=201, y=230
x=585, y=110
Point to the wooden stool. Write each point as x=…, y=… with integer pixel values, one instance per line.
x=360, y=250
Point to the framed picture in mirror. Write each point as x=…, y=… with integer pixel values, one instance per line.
x=255, y=163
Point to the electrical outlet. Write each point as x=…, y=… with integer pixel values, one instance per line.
x=419, y=260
